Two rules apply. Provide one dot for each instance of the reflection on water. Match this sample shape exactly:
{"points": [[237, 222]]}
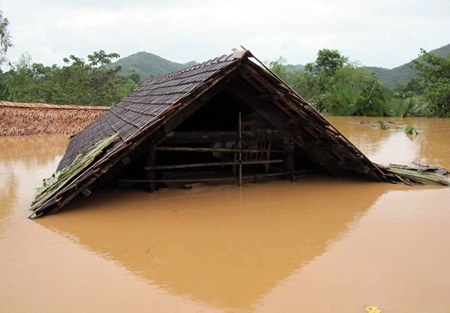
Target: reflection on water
{"points": [[395, 257], [24, 162], [317, 245], [219, 245]]}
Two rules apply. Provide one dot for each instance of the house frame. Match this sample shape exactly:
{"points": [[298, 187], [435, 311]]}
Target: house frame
{"points": [[228, 119]]}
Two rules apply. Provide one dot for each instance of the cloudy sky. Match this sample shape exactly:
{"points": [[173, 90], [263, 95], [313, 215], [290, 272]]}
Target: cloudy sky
{"points": [[385, 33]]}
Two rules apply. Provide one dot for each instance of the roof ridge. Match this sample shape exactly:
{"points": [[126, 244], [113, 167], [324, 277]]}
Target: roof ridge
{"points": [[220, 59], [39, 105]]}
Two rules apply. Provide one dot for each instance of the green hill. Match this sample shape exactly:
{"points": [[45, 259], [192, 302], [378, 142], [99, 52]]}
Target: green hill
{"points": [[397, 76], [401, 75], [148, 64]]}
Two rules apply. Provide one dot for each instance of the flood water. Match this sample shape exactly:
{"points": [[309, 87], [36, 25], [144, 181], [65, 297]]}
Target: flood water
{"points": [[319, 244]]}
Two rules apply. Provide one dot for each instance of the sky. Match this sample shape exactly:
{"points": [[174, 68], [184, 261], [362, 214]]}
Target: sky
{"points": [[383, 33]]}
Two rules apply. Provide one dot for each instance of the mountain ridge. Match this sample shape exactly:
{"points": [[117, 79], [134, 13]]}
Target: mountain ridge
{"points": [[402, 74], [147, 65]]}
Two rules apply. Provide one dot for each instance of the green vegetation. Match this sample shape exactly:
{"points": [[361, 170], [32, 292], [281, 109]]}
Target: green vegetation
{"points": [[96, 81], [433, 82], [335, 86], [77, 82], [410, 130], [5, 37], [397, 77], [400, 76], [382, 125]]}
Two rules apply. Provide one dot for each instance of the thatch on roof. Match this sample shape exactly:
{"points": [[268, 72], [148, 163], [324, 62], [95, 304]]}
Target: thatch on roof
{"points": [[229, 117], [21, 119]]}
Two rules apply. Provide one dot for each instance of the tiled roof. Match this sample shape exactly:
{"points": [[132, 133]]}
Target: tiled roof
{"points": [[145, 106]]}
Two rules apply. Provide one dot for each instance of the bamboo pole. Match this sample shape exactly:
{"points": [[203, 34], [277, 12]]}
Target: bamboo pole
{"points": [[203, 149], [240, 148], [149, 168], [210, 164], [212, 179]]}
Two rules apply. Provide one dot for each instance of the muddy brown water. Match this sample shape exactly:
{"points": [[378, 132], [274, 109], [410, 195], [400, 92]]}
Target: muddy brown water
{"points": [[320, 244]]}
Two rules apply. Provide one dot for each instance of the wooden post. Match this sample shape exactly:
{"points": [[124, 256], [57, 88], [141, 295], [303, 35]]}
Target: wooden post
{"points": [[289, 158], [150, 172], [240, 147]]}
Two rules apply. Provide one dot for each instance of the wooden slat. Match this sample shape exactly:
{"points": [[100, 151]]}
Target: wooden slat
{"points": [[211, 164], [212, 179], [221, 150], [188, 137]]}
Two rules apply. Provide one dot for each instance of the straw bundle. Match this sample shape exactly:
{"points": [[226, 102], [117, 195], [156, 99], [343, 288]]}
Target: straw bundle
{"points": [[54, 183], [22, 119]]}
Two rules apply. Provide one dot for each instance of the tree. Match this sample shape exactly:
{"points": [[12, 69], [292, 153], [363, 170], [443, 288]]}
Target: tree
{"points": [[327, 62], [280, 68], [27, 82], [353, 91], [5, 37], [321, 75], [434, 82], [336, 86], [78, 82], [298, 79]]}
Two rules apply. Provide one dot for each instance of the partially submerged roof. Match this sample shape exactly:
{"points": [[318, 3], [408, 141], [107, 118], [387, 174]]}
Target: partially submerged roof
{"points": [[19, 119], [149, 116]]}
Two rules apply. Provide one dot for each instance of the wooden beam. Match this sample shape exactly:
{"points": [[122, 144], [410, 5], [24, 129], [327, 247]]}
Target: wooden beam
{"points": [[200, 98], [288, 155], [221, 150], [212, 179], [240, 148], [211, 164], [150, 172], [188, 137], [261, 106]]}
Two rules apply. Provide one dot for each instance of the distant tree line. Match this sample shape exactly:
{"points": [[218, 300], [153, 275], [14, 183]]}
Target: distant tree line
{"points": [[78, 81], [335, 86]]}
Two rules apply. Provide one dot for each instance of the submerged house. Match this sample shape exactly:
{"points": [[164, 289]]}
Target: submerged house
{"points": [[23, 119], [229, 118]]}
